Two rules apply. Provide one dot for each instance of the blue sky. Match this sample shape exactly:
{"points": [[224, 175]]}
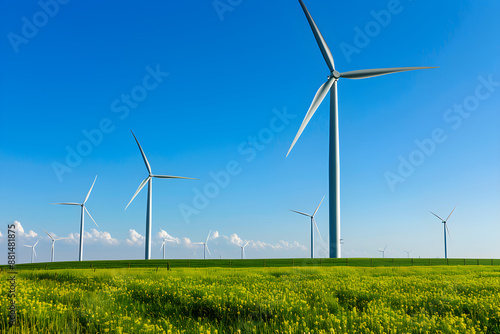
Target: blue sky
{"points": [[227, 84]]}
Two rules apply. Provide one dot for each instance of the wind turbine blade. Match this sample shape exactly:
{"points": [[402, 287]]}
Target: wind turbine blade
{"points": [[385, 248], [302, 213], [246, 245], [67, 203], [143, 155], [143, 183], [162, 245], [27, 246], [437, 216], [450, 213], [208, 236], [208, 250], [317, 229], [362, 74], [34, 251], [198, 243], [61, 238], [86, 198], [325, 50], [90, 216], [172, 177], [318, 98], [49, 235], [35, 243], [447, 230], [318, 206]]}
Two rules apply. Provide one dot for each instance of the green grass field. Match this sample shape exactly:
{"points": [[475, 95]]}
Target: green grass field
{"points": [[312, 299], [354, 262]]}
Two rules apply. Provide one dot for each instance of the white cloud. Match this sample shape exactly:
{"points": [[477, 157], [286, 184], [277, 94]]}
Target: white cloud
{"points": [[164, 235], [104, 237], [234, 239], [280, 245], [134, 238], [1, 235], [20, 231], [187, 242], [215, 235], [94, 236]]}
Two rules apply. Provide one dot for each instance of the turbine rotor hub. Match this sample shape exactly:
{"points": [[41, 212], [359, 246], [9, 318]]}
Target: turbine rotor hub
{"points": [[334, 74]]}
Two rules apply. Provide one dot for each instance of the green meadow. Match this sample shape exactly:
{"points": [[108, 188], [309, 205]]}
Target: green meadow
{"points": [[248, 296]]}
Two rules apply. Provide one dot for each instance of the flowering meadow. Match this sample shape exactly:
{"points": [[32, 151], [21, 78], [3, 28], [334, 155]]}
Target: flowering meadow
{"points": [[440, 299]]}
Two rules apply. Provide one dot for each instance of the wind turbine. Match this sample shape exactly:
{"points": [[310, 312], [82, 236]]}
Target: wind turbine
{"points": [[33, 253], [243, 250], [408, 252], [163, 246], [383, 251], [84, 209], [334, 160], [313, 224], [445, 229], [149, 181], [205, 245], [53, 242]]}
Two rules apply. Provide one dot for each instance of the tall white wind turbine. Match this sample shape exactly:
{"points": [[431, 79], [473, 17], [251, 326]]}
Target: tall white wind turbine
{"points": [[243, 249], [84, 209], [383, 251], [33, 253], [334, 161], [313, 224], [53, 242], [205, 245], [408, 252], [163, 246], [149, 181], [445, 229]]}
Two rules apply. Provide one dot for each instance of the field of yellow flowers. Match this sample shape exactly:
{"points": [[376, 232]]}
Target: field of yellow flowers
{"points": [[256, 300]]}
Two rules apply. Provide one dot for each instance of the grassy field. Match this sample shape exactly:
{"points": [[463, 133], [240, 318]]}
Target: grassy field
{"points": [[329, 299], [354, 262]]}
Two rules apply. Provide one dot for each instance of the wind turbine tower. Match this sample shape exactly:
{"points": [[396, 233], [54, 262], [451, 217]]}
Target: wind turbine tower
{"points": [[52, 248], [445, 229], [33, 253], [334, 160], [313, 224], [149, 181], [82, 222]]}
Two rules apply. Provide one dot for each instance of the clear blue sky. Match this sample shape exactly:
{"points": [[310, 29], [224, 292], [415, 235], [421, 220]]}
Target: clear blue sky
{"points": [[231, 70]]}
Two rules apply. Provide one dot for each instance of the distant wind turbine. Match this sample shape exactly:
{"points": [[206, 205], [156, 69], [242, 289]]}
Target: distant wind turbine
{"points": [[33, 253], [383, 251], [163, 246], [84, 209], [334, 160], [243, 250], [408, 252], [445, 229], [53, 242], [149, 181], [313, 224], [205, 245]]}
